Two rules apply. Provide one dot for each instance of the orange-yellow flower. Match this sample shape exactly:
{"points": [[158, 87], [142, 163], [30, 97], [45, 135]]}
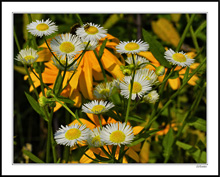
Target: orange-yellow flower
{"points": [[174, 83], [89, 68]]}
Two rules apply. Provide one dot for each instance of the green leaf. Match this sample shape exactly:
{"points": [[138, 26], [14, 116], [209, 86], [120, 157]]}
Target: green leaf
{"points": [[174, 75], [167, 144], [136, 118], [58, 161], [141, 137], [65, 99], [32, 157], [34, 104], [101, 50], [57, 83], [198, 123], [156, 48], [198, 155]]}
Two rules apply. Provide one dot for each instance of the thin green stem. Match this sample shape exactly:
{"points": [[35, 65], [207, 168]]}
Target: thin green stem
{"points": [[53, 148], [16, 41], [100, 121], [49, 137], [79, 19], [31, 81], [184, 33]]}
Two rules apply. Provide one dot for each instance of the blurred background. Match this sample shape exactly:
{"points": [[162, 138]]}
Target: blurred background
{"points": [[30, 131]]}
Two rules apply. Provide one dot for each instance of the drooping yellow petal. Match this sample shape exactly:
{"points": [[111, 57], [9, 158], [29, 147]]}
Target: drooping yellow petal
{"points": [[84, 121], [95, 119], [137, 129], [165, 30], [131, 153], [145, 151], [149, 56], [174, 83], [77, 98]]}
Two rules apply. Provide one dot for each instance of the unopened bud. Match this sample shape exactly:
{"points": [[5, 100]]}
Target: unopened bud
{"points": [[49, 93], [131, 66], [42, 101], [122, 67], [160, 70], [151, 97], [126, 72]]}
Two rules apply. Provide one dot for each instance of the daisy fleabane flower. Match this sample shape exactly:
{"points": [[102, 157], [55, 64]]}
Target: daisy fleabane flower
{"points": [[151, 97], [178, 58], [97, 107], [139, 61], [71, 135], [66, 44], [132, 47], [140, 86], [94, 139], [149, 75], [117, 134], [42, 28], [64, 62], [27, 56], [103, 90], [91, 31]]}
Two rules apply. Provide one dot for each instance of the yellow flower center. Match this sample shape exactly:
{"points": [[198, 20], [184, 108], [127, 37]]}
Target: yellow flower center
{"points": [[137, 87], [67, 47], [27, 58], [96, 140], [149, 96], [131, 46], [91, 30], [98, 108], [72, 134], [42, 27], [179, 57], [117, 136], [104, 91]]}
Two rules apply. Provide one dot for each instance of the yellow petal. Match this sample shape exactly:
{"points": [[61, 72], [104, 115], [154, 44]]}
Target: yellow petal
{"points": [[148, 55], [174, 83], [131, 153], [76, 97], [95, 119], [144, 154], [137, 129], [166, 31], [85, 122], [85, 159]]}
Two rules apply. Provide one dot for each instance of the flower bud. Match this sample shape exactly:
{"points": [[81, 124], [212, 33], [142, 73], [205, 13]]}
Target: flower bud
{"points": [[160, 70], [122, 67], [42, 101], [49, 93], [131, 66], [126, 72]]}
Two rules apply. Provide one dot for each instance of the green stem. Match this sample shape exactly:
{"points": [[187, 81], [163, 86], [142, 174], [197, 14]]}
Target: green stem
{"points": [[31, 81], [49, 137], [184, 33], [100, 121], [130, 93], [16, 41], [53, 148], [79, 19]]}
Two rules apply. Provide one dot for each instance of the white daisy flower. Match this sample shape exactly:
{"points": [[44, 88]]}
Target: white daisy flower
{"points": [[150, 75], [103, 90], [96, 107], [40, 28], [64, 62], [151, 97], [92, 44], [27, 56], [117, 134], [66, 44], [91, 31], [94, 139], [140, 86], [132, 47], [70, 135], [138, 60], [180, 58]]}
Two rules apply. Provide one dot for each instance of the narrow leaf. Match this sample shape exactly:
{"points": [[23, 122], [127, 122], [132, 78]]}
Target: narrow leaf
{"points": [[101, 50], [198, 123], [100, 157], [167, 144], [32, 157], [156, 48], [186, 75], [66, 100], [136, 118], [34, 104]]}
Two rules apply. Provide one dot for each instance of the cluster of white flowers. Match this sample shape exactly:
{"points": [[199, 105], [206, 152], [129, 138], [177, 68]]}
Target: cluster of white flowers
{"points": [[112, 134]]}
